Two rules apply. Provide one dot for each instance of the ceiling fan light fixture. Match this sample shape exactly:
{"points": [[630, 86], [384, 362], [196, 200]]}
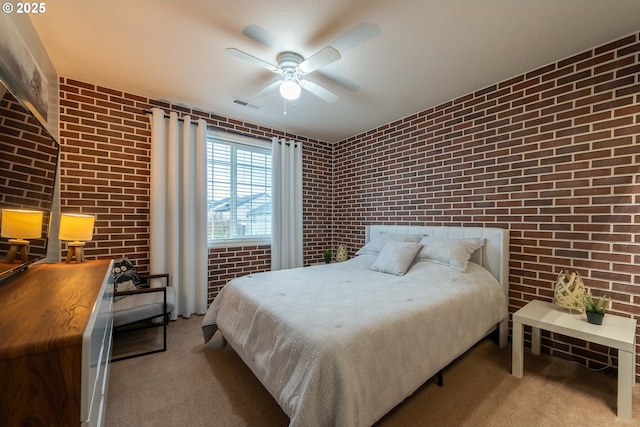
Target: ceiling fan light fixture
{"points": [[290, 89]]}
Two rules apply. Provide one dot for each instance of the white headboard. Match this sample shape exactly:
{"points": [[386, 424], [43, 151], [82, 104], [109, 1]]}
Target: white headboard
{"points": [[495, 253]]}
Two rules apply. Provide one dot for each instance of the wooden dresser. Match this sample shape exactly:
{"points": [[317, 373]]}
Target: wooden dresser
{"points": [[55, 344]]}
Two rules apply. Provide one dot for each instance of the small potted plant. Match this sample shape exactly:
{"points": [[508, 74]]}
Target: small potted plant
{"points": [[595, 309], [327, 256]]}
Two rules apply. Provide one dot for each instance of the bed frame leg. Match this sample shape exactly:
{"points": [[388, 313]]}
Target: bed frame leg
{"points": [[439, 379], [503, 332]]}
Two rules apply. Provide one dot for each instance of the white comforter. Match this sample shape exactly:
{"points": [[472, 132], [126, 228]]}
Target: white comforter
{"points": [[341, 345]]}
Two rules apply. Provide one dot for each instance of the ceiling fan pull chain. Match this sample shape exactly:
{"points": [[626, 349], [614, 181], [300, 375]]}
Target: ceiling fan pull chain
{"points": [[285, 106]]}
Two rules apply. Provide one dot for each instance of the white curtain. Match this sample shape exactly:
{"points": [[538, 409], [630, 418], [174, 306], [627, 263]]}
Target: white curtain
{"points": [[286, 200], [178, 237]]}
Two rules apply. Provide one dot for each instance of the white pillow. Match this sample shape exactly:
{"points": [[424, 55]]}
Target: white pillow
{"points": [[396, 257], [375, 245], [452, 252]]}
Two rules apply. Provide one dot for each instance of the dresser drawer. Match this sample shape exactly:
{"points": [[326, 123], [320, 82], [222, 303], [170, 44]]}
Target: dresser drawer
{"points": [[96, 352]]}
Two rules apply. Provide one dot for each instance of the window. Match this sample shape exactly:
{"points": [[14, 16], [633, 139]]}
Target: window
{"points": [[238, 189]]}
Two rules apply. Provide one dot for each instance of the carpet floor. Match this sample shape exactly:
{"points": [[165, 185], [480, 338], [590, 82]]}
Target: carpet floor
{"points": [[197, 384]]}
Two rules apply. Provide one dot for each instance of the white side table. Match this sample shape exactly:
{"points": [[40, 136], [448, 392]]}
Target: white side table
{"points": [[616, 332]]}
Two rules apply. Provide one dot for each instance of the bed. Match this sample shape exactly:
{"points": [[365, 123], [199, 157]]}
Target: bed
{"points": [[342, 344]]}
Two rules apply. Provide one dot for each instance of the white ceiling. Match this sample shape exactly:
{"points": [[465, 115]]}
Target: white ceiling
{"points": [[398, 57]]}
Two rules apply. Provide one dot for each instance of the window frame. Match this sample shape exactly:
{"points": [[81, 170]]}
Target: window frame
{"points": [[240, 141]]}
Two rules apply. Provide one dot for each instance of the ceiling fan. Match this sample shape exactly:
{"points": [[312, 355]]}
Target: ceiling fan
{"points": [[292, 67]]}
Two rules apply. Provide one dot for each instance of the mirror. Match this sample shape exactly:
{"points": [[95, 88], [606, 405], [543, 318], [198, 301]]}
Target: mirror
{"points": [[27, 174]]}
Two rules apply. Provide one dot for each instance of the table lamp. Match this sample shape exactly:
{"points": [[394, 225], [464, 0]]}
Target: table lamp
{"points": [[18, 225], [77, 229]]}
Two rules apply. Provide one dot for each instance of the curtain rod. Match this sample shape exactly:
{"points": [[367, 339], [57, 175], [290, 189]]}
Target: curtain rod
{"points": [[209, 125]]}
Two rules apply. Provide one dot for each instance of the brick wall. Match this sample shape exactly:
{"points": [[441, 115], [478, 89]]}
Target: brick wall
{"points": [[104, 171], [553, 155]]}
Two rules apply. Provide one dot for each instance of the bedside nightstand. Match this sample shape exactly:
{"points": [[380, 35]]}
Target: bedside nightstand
{"points": [[616, 332]]}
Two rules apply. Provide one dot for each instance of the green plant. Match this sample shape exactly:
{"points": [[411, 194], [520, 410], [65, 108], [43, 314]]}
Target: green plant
{"points": [[327, 254], [593, 306]]}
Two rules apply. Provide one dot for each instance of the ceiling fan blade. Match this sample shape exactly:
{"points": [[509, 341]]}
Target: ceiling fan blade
{"points": [[260, 35], [271, 86], [339, 80], [355, 36], [321, 58], [322, 93], [250, 58]]}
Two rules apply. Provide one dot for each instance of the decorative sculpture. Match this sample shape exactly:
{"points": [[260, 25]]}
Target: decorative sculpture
{"points": [[342, 255], [568, 294]]}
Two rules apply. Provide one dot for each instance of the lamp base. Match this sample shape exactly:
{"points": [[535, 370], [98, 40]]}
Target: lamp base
{"points": [[18, 246], [75, 250]]}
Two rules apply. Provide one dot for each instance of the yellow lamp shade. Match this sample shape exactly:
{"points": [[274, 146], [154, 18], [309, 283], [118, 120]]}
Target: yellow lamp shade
{"points": [[76, 227], [21, 224]]}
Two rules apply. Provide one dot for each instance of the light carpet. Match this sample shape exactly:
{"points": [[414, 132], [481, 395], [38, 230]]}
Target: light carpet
{"points": [[196, 384]]}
